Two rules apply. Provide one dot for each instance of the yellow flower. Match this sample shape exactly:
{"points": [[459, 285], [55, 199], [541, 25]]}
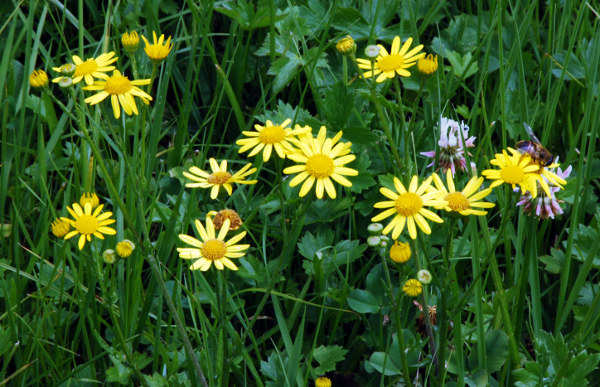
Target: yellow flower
{"points": [[464, 201], [38, 79], [517, 169], [544, 175], [121, 91], [130, 41], [60, 228], [396, 62], [212, 248], [125, 248], [157, 51], [346, 46], [90, 69], [321, 159], [428, 65], [408, 207], [219, 177], [87, 223], [220, 217], [91, 198], [400, 252], [412, 287], [270, 136], [323, 381]]}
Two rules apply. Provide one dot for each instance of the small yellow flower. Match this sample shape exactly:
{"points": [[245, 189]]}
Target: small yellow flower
{"points": [[428, 65], [89, 69], [517, 169], [212, 248], [130, 41], [91, 198], [412, 287], [545, 175], [320, 159], [219, 177], [87, 223], [60, 228], [125, 248], [346, 46], [121, 91], [395, 63], [400, 252], [323, 381], [408, 207], [466, 201], [220, 217], [38, 79], [157, 52], [270, 137]]}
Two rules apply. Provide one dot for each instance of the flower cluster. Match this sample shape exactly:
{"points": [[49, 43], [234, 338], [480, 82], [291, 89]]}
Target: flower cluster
{"points": [[453, 139]]}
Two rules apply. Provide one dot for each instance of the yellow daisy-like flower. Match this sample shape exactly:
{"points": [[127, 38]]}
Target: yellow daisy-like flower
{"points": [[125, 248], [121, 91], [219, 177], [38, 79], [87, 223], [396, 62], [408, 207], [321, 159], [270, 136], [212, 248], [412, 287], [88, 197], [464, 201], [323, 381], [60, 228], [90, 69], [157, 51], [545, 176], [400, 252], [517, 169], [130, 41], [428, 65]]}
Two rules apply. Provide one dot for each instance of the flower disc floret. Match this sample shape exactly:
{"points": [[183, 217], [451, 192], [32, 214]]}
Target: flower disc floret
{"points": [[321, 160], [212, 248], [388, 65], [88, 223], [219, 177]]}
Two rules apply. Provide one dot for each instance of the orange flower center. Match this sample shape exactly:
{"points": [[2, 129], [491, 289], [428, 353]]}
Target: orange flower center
{"points": [[408, 204], [457, 201], [320, 166], [214, 249], [219, 177]]}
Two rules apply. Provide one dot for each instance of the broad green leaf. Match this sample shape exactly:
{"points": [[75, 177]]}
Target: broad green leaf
{"points": [[328, 357], [363, 301]]}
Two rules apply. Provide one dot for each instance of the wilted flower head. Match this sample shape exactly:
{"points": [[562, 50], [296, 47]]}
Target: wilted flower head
{"points": [[452, 153]]}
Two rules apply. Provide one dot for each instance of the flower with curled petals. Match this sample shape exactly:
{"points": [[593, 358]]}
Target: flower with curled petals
{"points": [[219, 177], [408, 207], [388, 65], [320, 159], [212, 248], [87, 223]]}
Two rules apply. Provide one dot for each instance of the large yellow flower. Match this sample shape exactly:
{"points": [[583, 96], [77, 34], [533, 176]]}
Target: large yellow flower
{"points": [[212, 248], [219, 177], [321, 159], [464, 201], [408, 207], [121, 91], [270, 136], [517, 169], [396, 62], [157, 51], [87, 223], [90, 69]]}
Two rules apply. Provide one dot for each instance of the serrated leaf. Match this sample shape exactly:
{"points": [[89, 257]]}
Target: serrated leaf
{"points": [[328, 357], [363, 301], [461, 63]]}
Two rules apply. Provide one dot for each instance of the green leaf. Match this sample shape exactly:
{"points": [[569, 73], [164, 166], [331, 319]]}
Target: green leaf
{"points": [[528, 376], [383, 364], [328, 357], [363, 301], [463, 66], [496, 347], [119, 373]]}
